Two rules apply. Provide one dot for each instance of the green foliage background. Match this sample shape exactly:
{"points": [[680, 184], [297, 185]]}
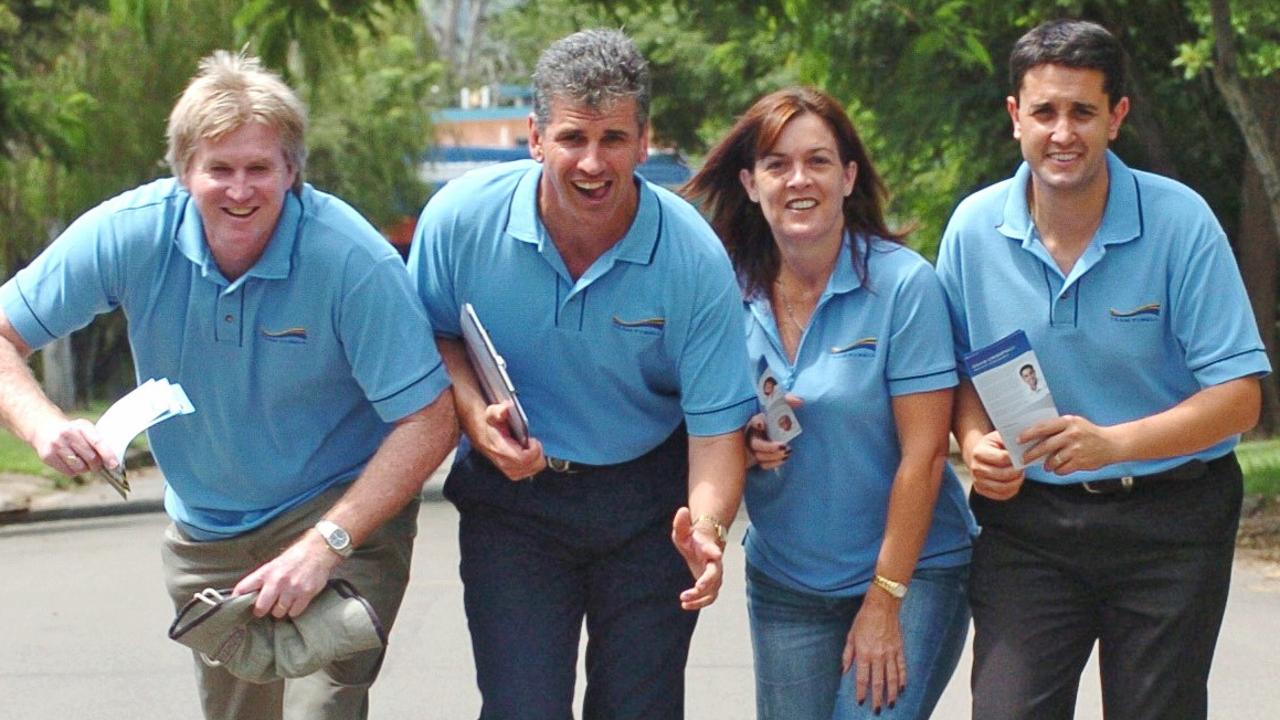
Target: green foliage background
{"points": [[85, 88]]}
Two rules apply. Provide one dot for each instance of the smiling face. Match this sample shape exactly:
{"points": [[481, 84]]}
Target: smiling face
{"points": [[239, 183], [801, 184], [1028, 374], [1062, 119], [589, 157]]}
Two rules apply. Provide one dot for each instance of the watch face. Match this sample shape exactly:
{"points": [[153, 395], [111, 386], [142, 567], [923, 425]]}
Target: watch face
{"points": [[339, 538]]}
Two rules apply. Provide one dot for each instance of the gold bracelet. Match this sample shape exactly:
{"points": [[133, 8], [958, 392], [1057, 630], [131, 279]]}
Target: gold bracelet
{"points": [[896, 589], [721, 531]]}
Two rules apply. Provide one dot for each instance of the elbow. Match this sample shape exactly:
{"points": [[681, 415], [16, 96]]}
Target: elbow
{"points": [[1249, 405]]}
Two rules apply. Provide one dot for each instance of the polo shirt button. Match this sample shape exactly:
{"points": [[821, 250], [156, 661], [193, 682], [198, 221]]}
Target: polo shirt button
{"points": [[228, 318]]}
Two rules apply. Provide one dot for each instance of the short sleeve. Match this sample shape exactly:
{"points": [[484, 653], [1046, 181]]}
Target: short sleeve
{"points": [[431, 269], [949, 279], [920, 355], [1211, 315], [388, 341], [74, 279], [716, 391]]}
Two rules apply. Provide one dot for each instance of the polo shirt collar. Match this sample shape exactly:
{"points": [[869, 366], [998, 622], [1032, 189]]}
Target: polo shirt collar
{"points": [[843, 278], [1121, 219], [637, 246], [276, 260]]}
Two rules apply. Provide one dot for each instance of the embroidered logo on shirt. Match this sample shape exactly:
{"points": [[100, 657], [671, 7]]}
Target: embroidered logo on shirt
{"points": [[867, 343], [1143, 313], [288, 335], [653, 324]]}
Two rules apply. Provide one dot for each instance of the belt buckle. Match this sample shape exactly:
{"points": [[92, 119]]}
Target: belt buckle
{"points": [[1126, 486], [560, 465]]}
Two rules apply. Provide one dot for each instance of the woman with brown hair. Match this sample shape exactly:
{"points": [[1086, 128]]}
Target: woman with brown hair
{"points": [[856, 564]]}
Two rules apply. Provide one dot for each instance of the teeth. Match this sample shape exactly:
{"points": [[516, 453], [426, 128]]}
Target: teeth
{"points": [[1063, 156], [801, 204], [589, 186], [240, 211]]}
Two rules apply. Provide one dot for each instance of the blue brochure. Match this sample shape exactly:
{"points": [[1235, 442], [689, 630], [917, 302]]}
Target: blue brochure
{"points": [[1013, 389]]}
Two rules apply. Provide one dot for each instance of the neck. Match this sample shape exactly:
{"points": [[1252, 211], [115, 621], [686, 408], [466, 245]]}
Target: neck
{"points": [[1068, 217], [580, 242], [808, 267]]}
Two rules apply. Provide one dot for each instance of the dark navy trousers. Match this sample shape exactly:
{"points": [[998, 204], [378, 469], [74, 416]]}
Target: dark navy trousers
{"points": [[540, 555], [1144, 574]]}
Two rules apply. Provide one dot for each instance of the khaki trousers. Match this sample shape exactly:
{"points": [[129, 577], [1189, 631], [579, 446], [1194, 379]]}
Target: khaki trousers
{"points": [[379, 569]]}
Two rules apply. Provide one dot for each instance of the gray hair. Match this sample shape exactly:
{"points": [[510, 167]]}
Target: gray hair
{"points": [[595, 68], [231, 90]]}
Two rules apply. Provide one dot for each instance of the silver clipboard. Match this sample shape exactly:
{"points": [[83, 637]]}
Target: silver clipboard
{"points": [[491, 370]]}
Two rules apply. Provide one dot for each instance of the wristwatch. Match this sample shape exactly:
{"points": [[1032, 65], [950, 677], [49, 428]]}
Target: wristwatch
{"points": [[720, 530], [893, 587], [338, 539]]}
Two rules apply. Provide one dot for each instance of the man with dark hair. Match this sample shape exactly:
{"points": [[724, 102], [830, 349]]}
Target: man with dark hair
{"points": [[618, 315], [321, 405], [1028, 374], [1121, 528]]}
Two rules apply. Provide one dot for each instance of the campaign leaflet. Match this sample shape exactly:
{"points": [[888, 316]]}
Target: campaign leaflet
{"points": [[780, 423], [151, 402], [1013, 389]]}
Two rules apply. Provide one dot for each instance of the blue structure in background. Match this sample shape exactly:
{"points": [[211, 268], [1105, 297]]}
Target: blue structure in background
{"points": [[444, 163]]}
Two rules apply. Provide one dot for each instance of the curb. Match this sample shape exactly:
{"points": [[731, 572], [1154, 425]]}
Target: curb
{"points": [[80, 512], [430, 494]]}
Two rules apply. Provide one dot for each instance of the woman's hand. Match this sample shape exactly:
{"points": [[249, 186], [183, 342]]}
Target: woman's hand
{"points": [[874, 645]]}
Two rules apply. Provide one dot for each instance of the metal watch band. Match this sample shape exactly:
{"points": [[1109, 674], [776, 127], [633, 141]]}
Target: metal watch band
{"points": [[335, 537], [893, 587]]}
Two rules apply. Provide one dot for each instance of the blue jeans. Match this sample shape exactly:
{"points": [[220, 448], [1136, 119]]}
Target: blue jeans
{"points": [[797, 639]]}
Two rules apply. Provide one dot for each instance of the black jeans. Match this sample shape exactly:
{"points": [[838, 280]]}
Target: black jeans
{"points": [[540, 555], [1145, 574]]}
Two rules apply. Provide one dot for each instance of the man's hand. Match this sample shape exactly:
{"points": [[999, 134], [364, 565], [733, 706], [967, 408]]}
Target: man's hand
{"points": [[72, 447], [874, 643], [504, 451], [287, 584], [701, 549], [992, 469], [1070, 443]]}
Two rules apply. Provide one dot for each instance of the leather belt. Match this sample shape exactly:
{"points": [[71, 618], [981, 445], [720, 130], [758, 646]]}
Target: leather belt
{"points": [[1190, 470], [569, 467]]}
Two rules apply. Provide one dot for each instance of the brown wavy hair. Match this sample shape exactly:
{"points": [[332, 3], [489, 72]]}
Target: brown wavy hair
{"points": [[740, 223]]}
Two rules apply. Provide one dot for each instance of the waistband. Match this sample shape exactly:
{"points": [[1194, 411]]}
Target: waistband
{"points": [[675, 442], [1129, 484]]}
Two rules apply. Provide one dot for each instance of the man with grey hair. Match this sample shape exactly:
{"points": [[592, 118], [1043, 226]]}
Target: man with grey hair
{"points": [[617, 313], [278, 309]]}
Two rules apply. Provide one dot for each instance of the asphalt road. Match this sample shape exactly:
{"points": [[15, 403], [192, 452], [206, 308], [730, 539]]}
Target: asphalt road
{"points": [[83, 617]]}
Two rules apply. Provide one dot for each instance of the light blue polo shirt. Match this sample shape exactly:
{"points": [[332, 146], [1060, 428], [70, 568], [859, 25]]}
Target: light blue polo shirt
{"points": [[818, 521], [295, 369], [1153, 311], [609, 365]]}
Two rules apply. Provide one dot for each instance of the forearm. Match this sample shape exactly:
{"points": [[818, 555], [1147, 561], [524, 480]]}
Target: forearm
{"points": [[717, 471], [23, 404], [395, 474], [1202, 420], [468, 398], [911, 501], [922, 435], [969, 419]]}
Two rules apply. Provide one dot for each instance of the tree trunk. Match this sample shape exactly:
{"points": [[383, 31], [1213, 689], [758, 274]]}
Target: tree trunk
{"points": [[58, 363], [1257, 248], [1234, 91]]}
